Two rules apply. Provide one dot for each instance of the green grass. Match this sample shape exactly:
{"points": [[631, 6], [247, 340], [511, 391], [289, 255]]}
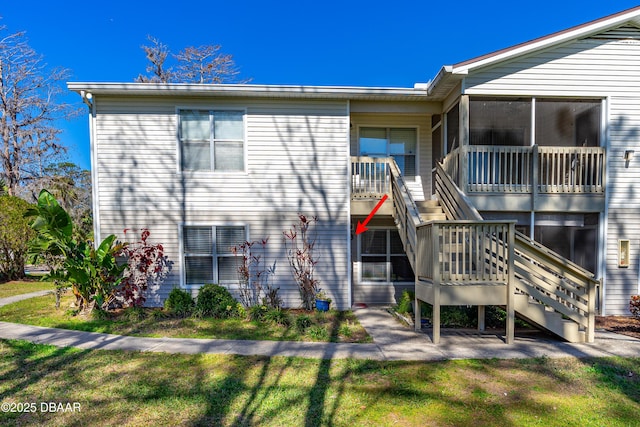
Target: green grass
{"points": [[9, 289], [41, 311], [149, 389]]}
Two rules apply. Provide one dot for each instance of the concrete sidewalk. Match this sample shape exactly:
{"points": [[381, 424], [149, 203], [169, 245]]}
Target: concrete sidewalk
{"points": [[392, 341]]}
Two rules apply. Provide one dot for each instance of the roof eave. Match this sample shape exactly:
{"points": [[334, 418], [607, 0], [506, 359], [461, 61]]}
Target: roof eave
{"points": [[249, 91]]}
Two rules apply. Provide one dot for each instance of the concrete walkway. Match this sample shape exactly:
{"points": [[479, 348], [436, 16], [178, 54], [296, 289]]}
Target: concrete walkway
{"points": [[392, 341]]}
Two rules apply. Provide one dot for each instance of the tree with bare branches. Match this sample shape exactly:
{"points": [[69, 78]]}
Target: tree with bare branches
{"points": [[157, 53], [29, 108], [202, 64]]}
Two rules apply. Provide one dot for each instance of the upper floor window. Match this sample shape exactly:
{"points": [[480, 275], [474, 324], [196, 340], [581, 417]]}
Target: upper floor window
{"points": [[212, 140], [557, 122], [399, 143]]}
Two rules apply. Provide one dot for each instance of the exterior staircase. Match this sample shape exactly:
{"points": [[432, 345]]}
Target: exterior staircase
{"points": [[544, 317], [461, 259], [431, 210]]}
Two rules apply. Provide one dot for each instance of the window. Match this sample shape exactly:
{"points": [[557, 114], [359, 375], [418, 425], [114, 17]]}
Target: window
{"points": [[399, 143], [382, 257], [568, 123], [500, 122], [212, 140], [207, 253]]}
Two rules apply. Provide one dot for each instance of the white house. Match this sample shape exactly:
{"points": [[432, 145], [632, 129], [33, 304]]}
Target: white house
{"points": [[540, 135]]}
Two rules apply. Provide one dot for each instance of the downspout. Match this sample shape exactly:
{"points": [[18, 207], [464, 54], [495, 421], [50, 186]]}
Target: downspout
{"points": [[87, 99], [603, 234], [349, 253]]}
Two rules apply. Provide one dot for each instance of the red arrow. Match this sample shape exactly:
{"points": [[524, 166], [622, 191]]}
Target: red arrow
{"points": [[361, 228]]}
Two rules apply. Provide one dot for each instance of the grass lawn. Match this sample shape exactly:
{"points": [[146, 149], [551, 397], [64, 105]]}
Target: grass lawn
{"points": [[151, 389], [17, 287], [330, 326]]}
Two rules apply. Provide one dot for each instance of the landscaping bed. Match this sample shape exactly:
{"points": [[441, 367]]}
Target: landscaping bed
{"points": [[331, 326], [619, 324]]}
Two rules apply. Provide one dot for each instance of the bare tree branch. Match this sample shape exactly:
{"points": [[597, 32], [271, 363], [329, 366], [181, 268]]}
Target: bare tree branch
{"points": [[157, 54], [28, 109], [203, 64]]}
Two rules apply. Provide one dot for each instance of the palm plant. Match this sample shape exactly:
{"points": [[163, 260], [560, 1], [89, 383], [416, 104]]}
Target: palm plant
{"points": [[93, 273]]}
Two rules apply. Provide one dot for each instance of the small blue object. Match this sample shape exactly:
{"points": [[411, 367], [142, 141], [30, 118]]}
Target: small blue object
{"points": [[322, 305]]}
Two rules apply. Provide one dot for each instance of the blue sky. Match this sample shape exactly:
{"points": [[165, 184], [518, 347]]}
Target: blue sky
{"points": [[327, 42]]}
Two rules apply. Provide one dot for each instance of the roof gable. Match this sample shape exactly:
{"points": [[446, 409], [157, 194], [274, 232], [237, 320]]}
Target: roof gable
{"points": [[617, 25]]}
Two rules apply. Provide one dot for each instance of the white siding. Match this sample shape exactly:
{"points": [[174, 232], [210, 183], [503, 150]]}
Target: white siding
{"points": [[607, 67], [296, 162], [420, 187]]}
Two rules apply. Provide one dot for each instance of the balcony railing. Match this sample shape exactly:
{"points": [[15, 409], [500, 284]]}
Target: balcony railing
{"points": [[544, 170], [369, 177]]}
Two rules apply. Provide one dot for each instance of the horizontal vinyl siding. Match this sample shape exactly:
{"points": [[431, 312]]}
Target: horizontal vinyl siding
{"points": [[622, 282], [595, 67], [296, 161], [589, 66]]}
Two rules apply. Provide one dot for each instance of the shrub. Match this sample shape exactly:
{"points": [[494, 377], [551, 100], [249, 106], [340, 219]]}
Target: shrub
{"points": [[345, 330], [179, 302], [15, 234], [93, 272], [135, 314], [299, 244], [257, 312], [634, 306], [404, 305], [254, 275], [303, 322], [216, 301], [318, 333], [278, 316], [146, 265], [99, 314]]}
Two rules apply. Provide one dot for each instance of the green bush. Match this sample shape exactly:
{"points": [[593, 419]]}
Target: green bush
{"points": [[278, 316], [318, 333], [179, 302], [303, 322], [15, 234], [404, 305], [345, 330], [257, 312], [135, 314], [216, 301]]}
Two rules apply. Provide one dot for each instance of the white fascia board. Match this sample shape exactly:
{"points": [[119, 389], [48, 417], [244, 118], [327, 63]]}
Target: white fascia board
{"points": [[244, 90]]}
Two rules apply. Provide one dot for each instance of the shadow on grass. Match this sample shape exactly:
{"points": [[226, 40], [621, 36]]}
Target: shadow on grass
{"points": [[120, 388]]}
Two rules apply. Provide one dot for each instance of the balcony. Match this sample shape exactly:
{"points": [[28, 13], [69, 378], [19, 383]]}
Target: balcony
{"points": [[370, 180], [560, 179]]}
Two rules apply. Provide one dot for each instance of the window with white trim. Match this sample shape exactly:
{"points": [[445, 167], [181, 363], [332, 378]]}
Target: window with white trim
{"points": [[399, 143], [208, 255], [382, 257], [212, 140]]}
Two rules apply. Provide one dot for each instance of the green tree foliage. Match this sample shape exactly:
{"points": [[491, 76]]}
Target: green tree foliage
{"points": [[15, 235], [71, 186], [93, 273]]}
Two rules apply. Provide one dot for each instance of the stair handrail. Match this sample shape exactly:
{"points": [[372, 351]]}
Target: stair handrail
{"points": [[406, 213], [553, 280], [455, 203], [542, 273]]}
